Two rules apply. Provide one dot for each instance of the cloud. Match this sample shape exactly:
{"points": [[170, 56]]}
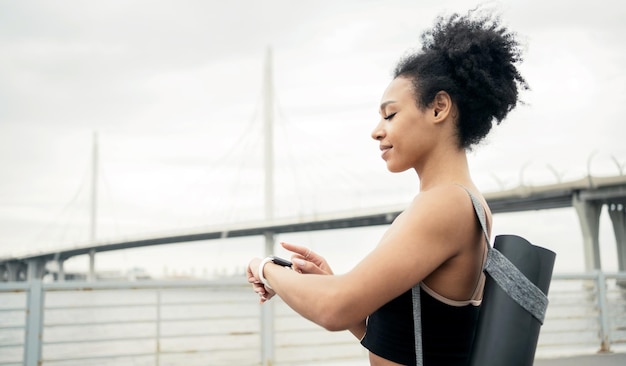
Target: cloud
{"points": [[174, 90]]}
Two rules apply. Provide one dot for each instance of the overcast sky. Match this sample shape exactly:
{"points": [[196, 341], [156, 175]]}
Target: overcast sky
{"points": [[174, 91]]}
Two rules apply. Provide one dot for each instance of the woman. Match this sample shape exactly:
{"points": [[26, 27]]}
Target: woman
{"points": [[441, 102]]}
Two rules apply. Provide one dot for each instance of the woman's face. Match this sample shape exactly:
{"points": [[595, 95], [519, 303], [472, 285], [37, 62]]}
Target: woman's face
{"points": [[403, 132]]}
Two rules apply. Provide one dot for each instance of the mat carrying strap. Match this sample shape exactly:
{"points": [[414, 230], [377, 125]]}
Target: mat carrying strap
{"points": [[503, 272]]}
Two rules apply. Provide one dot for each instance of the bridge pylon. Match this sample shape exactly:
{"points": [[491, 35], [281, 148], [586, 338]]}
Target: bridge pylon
{"points": [[13, 271], [617, 212], [588, 204], [589, 216], [22, 270]]}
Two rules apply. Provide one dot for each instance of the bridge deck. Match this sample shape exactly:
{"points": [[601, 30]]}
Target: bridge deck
{"points": [[602, 189]]}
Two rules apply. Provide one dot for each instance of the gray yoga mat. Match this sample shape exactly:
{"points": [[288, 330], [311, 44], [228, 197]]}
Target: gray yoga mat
{"points": [[506, 333]]}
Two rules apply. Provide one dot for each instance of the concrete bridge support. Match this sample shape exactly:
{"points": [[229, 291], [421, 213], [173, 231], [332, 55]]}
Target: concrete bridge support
{"points": [[36, 269], [589, 211], [61, 270], [589, 217], [14, 271], [617, 212], [22, 270], [91, 276]]}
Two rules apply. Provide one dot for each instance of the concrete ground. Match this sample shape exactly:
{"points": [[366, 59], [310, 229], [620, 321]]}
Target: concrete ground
{"points": [[600, 359]]}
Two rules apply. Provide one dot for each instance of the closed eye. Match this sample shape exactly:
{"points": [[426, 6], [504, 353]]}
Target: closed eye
{"points": [[389, 117]]}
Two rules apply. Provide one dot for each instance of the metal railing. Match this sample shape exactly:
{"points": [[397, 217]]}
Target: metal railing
{"points": [[587, 313], [219, 323]]}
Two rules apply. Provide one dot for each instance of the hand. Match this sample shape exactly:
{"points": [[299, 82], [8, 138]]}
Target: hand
{"points": [[258, 286], [307, 262]]}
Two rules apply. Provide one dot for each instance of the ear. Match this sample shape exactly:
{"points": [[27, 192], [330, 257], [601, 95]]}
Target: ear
{"points": [[441, 106]]}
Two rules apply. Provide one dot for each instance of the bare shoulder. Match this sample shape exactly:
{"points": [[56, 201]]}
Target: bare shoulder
{"points": [[445, 202], [426, 236], [445, 212]]}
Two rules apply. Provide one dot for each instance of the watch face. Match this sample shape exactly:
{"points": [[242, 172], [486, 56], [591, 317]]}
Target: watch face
{"points": [[280, 261]]}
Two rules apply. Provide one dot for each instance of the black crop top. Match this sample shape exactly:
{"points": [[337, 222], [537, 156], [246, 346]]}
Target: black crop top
{"points": [[447, 331]]}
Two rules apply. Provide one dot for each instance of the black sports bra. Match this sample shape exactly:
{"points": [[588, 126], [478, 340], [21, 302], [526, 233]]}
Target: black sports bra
{"points": [[447, 331], [447, 327]]}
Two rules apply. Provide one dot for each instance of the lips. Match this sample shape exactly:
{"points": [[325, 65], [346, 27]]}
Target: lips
{"points": [[384, 149]]}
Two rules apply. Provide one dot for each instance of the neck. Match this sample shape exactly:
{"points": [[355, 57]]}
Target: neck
{"points": [[447, 166]]}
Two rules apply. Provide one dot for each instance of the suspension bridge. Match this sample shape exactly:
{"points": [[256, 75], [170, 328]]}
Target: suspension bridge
{"points": [[587, 196]]}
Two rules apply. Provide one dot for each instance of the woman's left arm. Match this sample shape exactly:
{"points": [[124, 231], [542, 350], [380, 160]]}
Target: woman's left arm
{"points": [[420, 240]]}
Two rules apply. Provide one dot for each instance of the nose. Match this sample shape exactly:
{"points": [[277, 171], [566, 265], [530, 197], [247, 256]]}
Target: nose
{"points": [[378, 133]]}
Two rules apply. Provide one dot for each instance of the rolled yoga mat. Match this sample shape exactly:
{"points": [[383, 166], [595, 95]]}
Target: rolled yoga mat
{"points": [[507, 334]]}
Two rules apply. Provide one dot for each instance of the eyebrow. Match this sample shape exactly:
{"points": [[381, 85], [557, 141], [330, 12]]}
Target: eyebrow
{"points": [[385, 104]]}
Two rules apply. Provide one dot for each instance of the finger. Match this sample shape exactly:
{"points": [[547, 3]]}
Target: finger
{"points": [[301, 252], [299, 249], [309, 257], [252, 279], [307, 267], [253, 266], [265, 299]]}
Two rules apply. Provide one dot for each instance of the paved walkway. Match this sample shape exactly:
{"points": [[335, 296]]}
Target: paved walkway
{"points": [[601, 359]]}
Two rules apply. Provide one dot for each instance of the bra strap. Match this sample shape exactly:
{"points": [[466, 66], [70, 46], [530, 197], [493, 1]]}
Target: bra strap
{"points": [[508, 277], [504, 273], [417, 325]]}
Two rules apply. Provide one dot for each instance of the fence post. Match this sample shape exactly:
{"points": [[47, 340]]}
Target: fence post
{"points": [[34, 323], [605, 330], [267, 316], [158, 327]]}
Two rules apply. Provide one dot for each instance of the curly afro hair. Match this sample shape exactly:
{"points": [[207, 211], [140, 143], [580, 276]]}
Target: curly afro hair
{"points": [[473, 59]]}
